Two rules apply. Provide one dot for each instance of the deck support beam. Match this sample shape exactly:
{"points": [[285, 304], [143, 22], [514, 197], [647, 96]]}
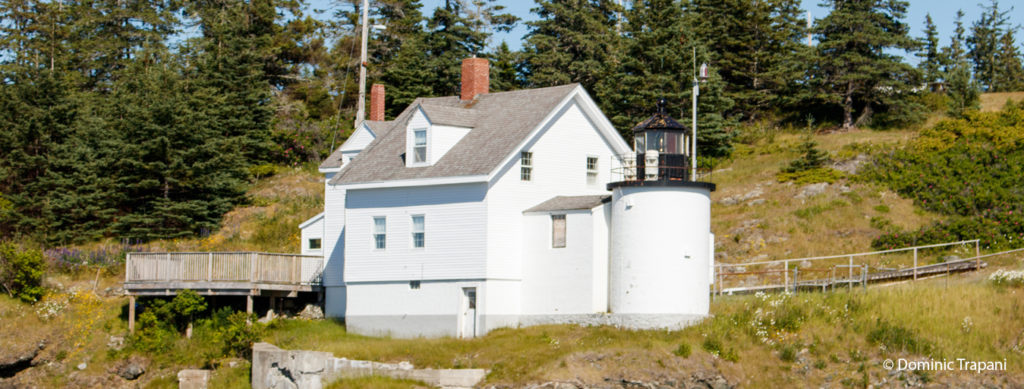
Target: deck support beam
{"points": [[131, 314]]}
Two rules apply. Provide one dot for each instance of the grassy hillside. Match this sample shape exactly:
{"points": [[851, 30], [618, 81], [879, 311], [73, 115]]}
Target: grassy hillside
{"points": [[804, 340]]}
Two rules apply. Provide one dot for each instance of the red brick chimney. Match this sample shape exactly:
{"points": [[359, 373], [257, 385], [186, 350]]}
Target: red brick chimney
{"points": [[476, 77], [377, 102]]}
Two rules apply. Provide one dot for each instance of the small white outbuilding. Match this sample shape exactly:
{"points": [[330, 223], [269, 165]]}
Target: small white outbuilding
{"points": [[486, 210]]}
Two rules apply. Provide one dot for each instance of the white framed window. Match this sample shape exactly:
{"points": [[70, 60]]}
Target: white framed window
{"points": [[526, 166], [419, 146], [557, 231], [418, 231], [380, 232], [591, 170], [315, 244]]}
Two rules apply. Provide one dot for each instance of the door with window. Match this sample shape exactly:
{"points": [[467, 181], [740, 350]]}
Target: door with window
{"points": [[468, 318]]}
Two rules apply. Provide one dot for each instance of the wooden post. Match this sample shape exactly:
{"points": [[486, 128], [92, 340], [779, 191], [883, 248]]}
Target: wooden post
{"points": [[977, 255], [796, 278], [252, 267], [131, 313], [127, 267], [785, 276], [915, 263], [209, 268]]}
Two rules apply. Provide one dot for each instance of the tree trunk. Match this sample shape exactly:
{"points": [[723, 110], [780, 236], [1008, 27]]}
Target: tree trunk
{"points": [[848, 108]]}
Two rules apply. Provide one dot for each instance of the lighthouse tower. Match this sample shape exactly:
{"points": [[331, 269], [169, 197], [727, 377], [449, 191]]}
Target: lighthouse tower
{"points": [[661, 245]]}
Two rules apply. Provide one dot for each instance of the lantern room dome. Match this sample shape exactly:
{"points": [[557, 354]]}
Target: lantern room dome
{"points": [[660, 121]]}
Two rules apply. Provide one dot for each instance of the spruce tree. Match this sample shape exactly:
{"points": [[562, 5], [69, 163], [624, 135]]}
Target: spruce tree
{"points": [[931, 57], [963, 91], [505, 65], [1009, 76], [810, 156], [753, 44], [572, 41], [855, 68], [983, 44], [451, 37]]}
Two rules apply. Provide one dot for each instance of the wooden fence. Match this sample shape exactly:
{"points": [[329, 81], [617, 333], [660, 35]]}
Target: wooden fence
{"points": [[224, 267]]}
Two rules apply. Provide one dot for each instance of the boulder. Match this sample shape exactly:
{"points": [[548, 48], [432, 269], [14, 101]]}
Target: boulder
{"points": [[312, 312]]}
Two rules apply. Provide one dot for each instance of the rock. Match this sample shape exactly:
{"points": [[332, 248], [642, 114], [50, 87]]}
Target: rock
{"points": [[9, 366], [755, 202], [949, 258], [843, 189], [267, 319], [312, 312], [193, 379], [81, 366], [131, 370], [115, 342], [729, 201], [812, 190], [757, 192], [851, 166]]}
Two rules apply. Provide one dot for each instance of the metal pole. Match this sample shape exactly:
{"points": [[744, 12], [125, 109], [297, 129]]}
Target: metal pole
{"points": [[850, 271], [361, 106], [693, 136], [915, 263]]}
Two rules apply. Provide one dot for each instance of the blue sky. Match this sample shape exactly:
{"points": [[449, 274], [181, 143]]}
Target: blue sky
{"points": [[943, 12]]}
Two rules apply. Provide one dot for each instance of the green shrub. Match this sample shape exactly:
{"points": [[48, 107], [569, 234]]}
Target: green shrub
{"points": [[898, 338], [683, 350], [969, 170], [788, 353], [714, 346], [811, 176], [239, 333], [21, 272]]}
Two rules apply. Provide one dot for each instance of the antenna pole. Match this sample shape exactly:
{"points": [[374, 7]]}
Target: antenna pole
{"points": [[361, 104]]}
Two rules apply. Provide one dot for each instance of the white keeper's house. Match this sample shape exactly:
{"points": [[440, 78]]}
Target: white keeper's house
{"points": [[487, 210]]}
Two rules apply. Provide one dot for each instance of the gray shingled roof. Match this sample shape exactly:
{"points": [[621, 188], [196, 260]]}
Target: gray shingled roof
{"points": [[502, 121], [378, 128], [450, 116], [569, 203]]}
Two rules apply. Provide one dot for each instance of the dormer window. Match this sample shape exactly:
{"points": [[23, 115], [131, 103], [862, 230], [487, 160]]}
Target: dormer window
{"points": [[419, 148]]}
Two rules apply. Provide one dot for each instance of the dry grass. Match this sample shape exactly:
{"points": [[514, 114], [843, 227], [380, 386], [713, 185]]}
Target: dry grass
{"points": [[995, 101], [784, 226]]}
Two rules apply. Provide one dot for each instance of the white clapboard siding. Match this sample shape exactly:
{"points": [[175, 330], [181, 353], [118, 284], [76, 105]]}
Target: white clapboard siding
{"points": [[455, 228], [560, 154], [333, 245], [558, 280]]}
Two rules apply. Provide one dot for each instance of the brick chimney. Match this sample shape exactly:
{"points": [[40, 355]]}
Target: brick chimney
{"points": [[377, 102], [476, 77]]}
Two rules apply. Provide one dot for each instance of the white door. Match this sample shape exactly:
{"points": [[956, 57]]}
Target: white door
{"points": [[468, 329]]}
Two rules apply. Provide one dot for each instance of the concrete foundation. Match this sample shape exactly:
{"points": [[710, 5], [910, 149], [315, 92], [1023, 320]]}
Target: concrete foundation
{"points": [[273, 367]]}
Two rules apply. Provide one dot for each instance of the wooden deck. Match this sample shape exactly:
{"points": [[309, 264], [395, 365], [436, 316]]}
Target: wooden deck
{"points": [[232, 273], [246, 274]]}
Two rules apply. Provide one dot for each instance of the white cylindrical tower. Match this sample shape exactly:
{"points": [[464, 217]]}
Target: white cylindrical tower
{"points": [[660, 236]]}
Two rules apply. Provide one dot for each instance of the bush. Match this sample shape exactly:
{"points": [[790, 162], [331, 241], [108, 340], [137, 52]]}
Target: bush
{"points": [[898, 338], [683, 350], [970, 170], [811, 176], [21, 272]]}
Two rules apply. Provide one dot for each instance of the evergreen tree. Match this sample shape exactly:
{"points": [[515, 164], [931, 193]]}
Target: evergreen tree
{"points": [[1009, 74], [810, 156], [656, 65], [572, 41], [754, 47], [451, 37], [931, 57], [963, 91], [956, 51], [983, 44], [505, 65], [853, 68]]}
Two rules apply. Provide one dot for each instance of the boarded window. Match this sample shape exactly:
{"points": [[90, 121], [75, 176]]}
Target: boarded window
{"points": [[419, 148], [314, 244], [526, 166], [380, 228], [557, 231], [418, 231]]}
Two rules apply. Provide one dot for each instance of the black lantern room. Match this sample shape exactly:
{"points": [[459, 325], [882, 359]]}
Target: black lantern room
{"points": [[662, 140]]}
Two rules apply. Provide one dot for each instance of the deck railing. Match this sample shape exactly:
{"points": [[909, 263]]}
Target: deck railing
{"points": [[224, 267]]}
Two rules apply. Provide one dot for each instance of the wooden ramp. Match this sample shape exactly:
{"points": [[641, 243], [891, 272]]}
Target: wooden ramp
{"points": [[860, 276]]}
